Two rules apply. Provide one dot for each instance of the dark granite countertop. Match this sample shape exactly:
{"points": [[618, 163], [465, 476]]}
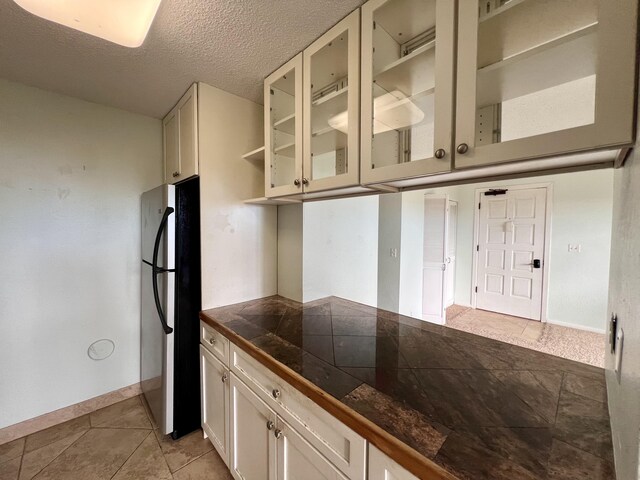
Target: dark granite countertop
{"points": [[480, 408]]}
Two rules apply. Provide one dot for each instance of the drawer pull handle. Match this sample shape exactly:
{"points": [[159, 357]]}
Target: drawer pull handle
{"points": [[225, 377], [270, 425], [276, 393], [212, 341], [277, 433]]}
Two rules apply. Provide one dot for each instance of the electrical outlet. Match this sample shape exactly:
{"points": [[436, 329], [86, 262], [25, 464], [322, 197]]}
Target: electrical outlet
{"points": [[575, 247]]}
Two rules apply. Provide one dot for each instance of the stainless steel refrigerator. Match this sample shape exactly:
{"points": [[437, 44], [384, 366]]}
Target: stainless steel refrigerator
{"points": [[171, 301]]}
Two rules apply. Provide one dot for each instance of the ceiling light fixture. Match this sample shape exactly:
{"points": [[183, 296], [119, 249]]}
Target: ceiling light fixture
{"points": [[125, 22]]}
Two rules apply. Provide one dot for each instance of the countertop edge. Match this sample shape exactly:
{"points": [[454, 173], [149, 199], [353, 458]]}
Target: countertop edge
{"points": [[400, 452]]}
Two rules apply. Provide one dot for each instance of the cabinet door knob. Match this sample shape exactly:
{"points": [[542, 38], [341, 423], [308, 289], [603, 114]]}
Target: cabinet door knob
{"points": [[462, 148], [270, 425], [176, 174], [276, 393], [305, 181], [277, 433], [440, 153], [212, 341], [225, 377], [296, 182]]}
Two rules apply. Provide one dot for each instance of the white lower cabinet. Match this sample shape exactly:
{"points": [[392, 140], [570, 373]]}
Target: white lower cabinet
{"points": [[253, 441], [297, 459], [215, 402], [382, 467]]}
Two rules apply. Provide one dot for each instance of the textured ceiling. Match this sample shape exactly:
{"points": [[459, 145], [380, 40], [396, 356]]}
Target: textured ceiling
{"points": [[230, 44]]}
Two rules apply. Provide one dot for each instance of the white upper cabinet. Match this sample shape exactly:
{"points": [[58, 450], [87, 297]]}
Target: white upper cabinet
{"points": [[283, 129], [331, 99], [538, 78], [180, 133], [407, 88]]}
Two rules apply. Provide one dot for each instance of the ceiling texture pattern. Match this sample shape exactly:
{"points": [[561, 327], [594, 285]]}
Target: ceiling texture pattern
{"points": [[230, 44]]}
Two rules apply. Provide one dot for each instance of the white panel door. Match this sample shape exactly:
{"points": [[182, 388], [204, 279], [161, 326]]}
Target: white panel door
{"points": [[215, 402], [452, 238], [434, 257], [297, 459], [253, 455], [510, 246]]}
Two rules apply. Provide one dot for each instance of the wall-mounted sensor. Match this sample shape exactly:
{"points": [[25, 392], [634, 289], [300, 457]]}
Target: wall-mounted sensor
{"points": [[101, 349]]}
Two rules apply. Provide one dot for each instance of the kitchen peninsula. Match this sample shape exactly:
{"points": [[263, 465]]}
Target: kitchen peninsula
{"points": [[455, 403]]}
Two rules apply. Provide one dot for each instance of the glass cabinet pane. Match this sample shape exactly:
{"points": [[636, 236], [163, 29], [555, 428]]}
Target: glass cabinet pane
{"points": [[332, 92], [283, 134], [283, 129], [329, 118], [536, 67], [404, 81]]}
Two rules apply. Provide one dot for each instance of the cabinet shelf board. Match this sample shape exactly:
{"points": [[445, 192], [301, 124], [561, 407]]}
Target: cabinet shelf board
{"points": [[328, 140], [270, 201], [257, 154], [287, 150], [286, 124], [500, 10], [330, 96], [411, 74], [552, 63]]}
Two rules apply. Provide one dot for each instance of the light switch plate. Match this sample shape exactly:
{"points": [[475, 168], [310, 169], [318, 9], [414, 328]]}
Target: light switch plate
{"points": [[574, 247], [619, 348]]}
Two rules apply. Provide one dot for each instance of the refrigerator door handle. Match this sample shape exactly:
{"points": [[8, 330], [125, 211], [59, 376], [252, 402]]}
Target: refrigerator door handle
{"points": [[155, 270]]}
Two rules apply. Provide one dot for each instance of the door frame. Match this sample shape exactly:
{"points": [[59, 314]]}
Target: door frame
{"points": [[446, 197], [547, 240]]}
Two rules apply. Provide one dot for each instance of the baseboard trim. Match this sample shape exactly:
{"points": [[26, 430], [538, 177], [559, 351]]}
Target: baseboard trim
{"points": [[33, 425], [577, 327]]}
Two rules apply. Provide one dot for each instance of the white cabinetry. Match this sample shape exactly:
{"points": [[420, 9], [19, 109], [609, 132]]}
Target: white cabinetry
{"points": [[382, 467], [180, 133], [253, 441], [331, 108], [407, 88], [563, 86], [215, 402]]}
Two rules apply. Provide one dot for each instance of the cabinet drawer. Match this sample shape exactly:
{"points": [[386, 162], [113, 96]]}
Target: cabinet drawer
{"points": [[337, 442], [215, 342]]}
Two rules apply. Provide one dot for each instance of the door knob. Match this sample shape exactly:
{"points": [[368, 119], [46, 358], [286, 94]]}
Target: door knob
{"points": [[176, 174], [296, 182], [277, 433], [440, 153], [305, 181], [225, 377], [535, 263], [270, 425], [212, 341], [275, 393], [462, 148]]}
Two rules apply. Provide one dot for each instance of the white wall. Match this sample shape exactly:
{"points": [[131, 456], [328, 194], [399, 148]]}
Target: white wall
{"points": [[624, 300], [239, 241], [411, 259], [70, 182], [340, 249], [290, 251], [389, 238], [581, 213]]}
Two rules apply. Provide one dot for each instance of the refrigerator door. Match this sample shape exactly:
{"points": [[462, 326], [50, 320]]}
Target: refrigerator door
{"points": [[157, 303]]}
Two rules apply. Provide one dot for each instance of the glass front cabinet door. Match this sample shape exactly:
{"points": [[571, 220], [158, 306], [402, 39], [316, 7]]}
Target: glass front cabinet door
{"points": [[539, 78], [283, 129], [408, 51], [331, 108]]}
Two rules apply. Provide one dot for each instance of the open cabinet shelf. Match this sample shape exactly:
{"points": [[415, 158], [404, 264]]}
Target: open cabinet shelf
{"points": [[411, 74], [286, 124], [558, 61], [287, 150], [271, 201], [257, 154]]}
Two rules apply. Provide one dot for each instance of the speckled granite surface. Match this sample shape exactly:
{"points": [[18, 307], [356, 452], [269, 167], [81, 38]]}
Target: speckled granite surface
{"points": [[480, 408]]}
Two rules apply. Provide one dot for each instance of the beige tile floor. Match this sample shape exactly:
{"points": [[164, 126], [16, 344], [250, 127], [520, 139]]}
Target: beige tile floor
{"points": [[571, 343], [119, 442]]}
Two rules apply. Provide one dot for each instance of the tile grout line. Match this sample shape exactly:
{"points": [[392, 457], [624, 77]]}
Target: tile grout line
{"points": [[131, 455], [54, 458], [190, 461]]}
